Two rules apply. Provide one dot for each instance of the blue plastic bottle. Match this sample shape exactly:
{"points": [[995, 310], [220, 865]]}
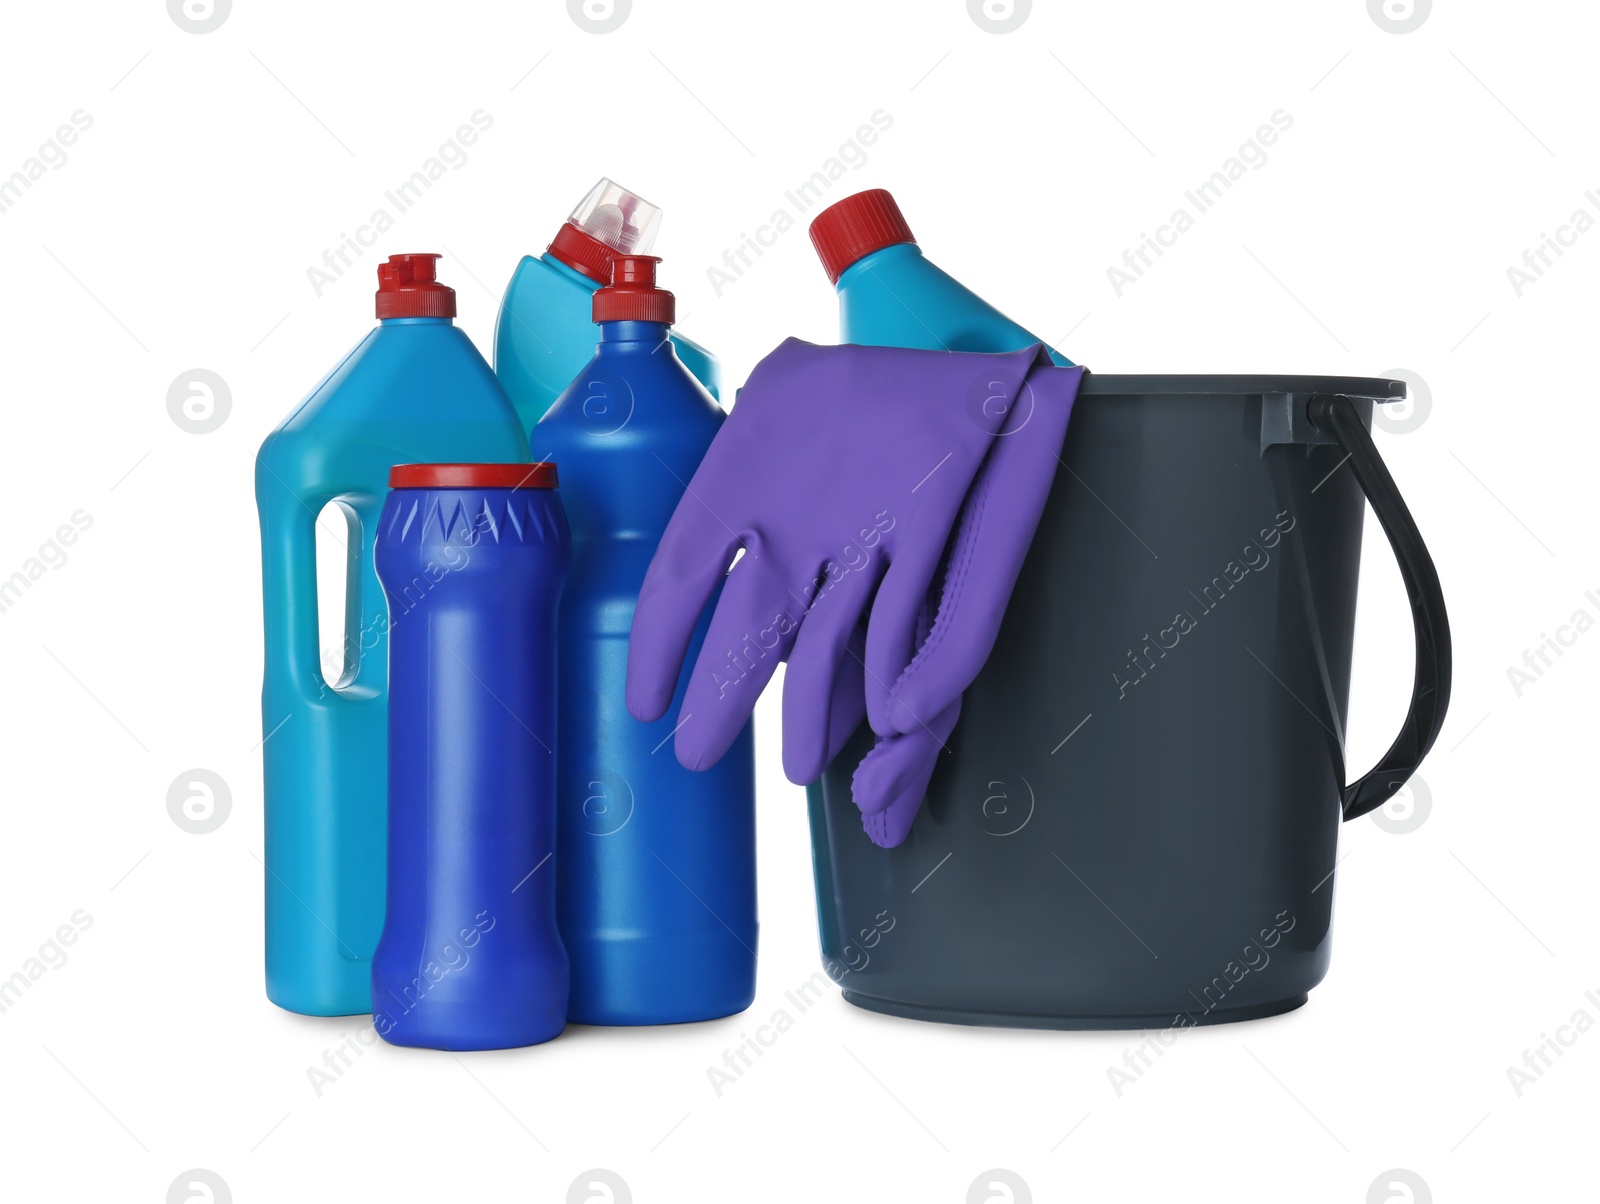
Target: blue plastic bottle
{"points": [[472, 558], [891, 296], [655, 863], [415, 389], [545, 334]]}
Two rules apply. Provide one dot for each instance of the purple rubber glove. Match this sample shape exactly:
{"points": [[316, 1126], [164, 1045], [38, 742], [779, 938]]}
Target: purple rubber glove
{"points": [[853, 478]]}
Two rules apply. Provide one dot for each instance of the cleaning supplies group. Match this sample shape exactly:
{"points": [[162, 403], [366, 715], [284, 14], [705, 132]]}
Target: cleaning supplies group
{"points": [[471, 797]]}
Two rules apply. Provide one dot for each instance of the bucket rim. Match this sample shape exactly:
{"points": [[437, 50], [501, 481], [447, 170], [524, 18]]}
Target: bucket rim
{"points": [[1110, 384]]}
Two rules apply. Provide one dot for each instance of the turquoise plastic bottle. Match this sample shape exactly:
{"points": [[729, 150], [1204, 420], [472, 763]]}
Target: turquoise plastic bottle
{"points": [[545, 334], [414, 390], [655, 864], [891, 296]]}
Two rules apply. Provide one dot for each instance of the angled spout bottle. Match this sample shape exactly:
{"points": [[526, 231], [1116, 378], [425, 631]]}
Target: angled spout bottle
{"points": [[545, 333], [891, 295], [414, 390]]}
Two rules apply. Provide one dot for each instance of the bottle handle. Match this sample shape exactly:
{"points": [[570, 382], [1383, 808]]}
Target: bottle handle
{"points": [[289, 587]]}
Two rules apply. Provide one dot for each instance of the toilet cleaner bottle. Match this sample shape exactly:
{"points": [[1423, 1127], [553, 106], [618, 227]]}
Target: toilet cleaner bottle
{"points": [[655, 863]]}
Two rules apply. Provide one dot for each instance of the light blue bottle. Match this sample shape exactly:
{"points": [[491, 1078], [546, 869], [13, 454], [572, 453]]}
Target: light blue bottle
{"points": [[414, 390], [545, 334], [891, 296]]}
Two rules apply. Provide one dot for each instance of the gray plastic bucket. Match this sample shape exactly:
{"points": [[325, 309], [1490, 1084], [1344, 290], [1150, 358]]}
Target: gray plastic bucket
{"points": [[1136, 821]]}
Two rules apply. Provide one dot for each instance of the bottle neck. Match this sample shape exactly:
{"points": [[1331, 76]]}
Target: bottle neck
{"points": [[894, 253], [651, 334], [561, 266], [416, 321]]}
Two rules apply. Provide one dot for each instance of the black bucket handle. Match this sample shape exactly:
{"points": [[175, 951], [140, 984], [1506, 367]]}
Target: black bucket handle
{"points": [[1337, 415]]}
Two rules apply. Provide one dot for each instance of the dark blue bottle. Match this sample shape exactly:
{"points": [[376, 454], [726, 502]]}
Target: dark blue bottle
{"points": [[656, 863], [472, 558]]}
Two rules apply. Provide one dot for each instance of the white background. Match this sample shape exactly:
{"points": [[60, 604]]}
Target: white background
{"points": [[177, 235]]}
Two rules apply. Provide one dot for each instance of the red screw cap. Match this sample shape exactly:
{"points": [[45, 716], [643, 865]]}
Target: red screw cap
{"points": [[856, 227], [583, 252], [540, 475], [632, 295], [407, 289]]}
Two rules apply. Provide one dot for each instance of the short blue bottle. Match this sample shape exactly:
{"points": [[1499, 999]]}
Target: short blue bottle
{"points": [[656, 863], [472, 558]]}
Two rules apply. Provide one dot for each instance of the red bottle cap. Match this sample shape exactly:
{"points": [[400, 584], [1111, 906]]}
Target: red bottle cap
{"points": [[407, 289], [632, 295], [856, 227], [540, 475], [582, 252]]}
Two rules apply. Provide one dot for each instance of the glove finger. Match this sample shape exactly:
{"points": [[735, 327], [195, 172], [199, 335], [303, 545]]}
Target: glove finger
{"points": [[992, 537], [849, 706], [889, 828], [893, 778], [900, 763], [751, 632], [690, 562], [892, 624], [822, 699]]}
